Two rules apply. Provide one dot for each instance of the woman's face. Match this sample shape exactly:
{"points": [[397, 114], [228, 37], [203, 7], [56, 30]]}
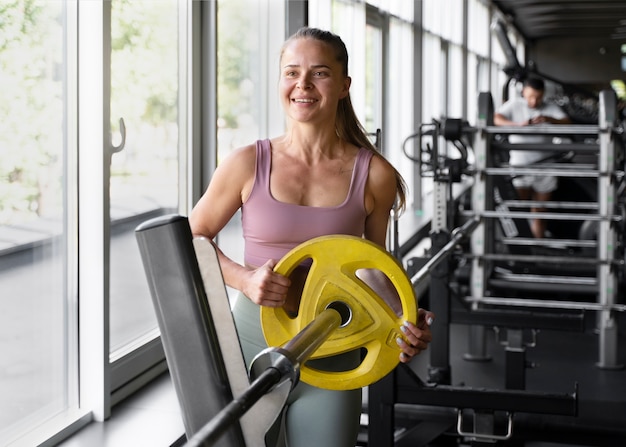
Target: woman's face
{"points": [[311, 81]]}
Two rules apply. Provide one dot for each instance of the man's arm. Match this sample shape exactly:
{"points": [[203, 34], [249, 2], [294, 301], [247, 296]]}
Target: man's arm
{"points": [[550, 120], [501, 120]]}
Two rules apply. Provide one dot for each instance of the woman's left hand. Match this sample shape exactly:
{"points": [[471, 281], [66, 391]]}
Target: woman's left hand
{"points": [[418, 336]]}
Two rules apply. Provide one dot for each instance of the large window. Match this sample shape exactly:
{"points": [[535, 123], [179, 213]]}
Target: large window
{"points": [[144, 168], [247, 79], [374, 44], [400, 105], [42, 254], [37, 282]]}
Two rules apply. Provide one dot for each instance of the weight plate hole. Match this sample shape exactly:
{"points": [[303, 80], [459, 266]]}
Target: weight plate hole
{"points": [[344, 311]]}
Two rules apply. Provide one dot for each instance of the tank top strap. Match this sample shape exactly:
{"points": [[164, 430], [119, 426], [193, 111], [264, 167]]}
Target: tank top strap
{"points": [[263, 164], [359, 176]]}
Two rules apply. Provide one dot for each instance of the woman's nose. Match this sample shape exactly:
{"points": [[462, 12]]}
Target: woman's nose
{"points": [[304, 83]]}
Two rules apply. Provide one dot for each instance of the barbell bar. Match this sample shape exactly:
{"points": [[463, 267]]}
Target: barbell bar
{"points": [[269, 369], [457, 235]]}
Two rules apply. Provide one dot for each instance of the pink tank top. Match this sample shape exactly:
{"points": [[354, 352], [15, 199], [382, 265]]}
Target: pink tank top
{"points": [[272, 228]]}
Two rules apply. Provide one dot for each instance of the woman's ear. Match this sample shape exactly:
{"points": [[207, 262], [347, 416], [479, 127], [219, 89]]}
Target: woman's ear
{"points": [[346, 87]]}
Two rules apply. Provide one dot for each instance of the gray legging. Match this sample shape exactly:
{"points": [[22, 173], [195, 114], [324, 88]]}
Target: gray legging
{"points": [[313, 416]]}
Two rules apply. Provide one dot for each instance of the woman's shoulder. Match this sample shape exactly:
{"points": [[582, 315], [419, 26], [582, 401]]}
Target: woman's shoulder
{"points": [[239, 164], [241, 154], [380, 165]]}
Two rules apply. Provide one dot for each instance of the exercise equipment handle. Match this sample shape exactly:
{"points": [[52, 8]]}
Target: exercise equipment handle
{"points": [[457, 235]]}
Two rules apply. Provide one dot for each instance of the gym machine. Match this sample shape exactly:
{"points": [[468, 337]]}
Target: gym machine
{"points": [[503, 256], [502, 242]]}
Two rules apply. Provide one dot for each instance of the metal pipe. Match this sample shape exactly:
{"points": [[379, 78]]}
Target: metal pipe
{"points": [[538, 259], [457, 235], [542, 171], [547, 242], [544, 215], [547, 279], [593, 206], [578, 148], [550, 304], [557, 129]]}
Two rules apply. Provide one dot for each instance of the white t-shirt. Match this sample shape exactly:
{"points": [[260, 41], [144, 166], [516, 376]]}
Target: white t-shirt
{"points": [[518, 111]]}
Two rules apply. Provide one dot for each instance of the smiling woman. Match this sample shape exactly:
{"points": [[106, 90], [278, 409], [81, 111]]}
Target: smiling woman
{"points": [[321, 177]]}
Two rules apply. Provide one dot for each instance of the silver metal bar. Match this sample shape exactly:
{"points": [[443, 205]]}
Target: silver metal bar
{"points": [[592, 206], [548, 279], [544, 215], [607, 234], [484, 427], [545, 242], [542, 171], [481, 241], [572, 260], [557, 129], [548, 147], [457, 235], [566, 166], [393, 240], [549, 304]]}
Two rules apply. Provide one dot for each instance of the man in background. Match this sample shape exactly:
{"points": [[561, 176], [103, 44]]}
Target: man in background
{"points": [[530, 110]]}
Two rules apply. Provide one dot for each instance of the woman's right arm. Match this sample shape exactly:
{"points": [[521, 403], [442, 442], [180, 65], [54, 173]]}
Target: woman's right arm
{"points": [[230, 184]]}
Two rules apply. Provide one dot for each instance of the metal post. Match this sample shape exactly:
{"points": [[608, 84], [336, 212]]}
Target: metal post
{"points": [[381, 411], [607, 237], [481, 200], [439, 370], [515, 360], [443, 245]]}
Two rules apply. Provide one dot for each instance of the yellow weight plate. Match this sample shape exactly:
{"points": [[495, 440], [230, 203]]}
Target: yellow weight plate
{"points": [[332, 278]]}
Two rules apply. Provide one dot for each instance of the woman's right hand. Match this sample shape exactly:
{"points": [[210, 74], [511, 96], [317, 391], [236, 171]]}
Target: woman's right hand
{"points": [[265, 287]]}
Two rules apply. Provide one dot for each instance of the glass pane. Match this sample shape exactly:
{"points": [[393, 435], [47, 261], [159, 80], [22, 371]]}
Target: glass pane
{"points": [[456, 81], [478, 19], [400, 121], [242, 91], [33, 298], [373, 78], [144, 174]]}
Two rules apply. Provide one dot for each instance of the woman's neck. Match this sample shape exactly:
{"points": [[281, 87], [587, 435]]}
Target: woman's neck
{"points": [[313, 142]]}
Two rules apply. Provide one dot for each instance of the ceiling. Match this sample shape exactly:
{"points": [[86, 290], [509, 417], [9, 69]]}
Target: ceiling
{"points": [[541, 19]]}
